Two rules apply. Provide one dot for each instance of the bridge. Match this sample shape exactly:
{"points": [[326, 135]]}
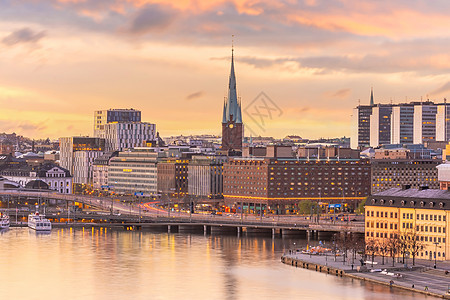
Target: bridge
{"points": [[125, 215]]}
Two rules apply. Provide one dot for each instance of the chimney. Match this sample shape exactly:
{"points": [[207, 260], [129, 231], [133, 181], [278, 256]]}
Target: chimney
{"points": [[423, 187], [406, 187]]}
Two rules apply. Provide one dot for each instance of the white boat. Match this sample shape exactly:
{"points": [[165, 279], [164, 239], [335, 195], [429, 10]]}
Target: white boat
{"points": [[4, 221], [38, 222]]}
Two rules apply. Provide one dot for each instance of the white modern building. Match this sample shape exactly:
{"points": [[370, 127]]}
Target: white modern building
{"points": [[83, 166], [70, 145], [443, 122], [402, 124], [205, 177], [134, 171], [424, 122], [121, 136], [103, 117], [380, 125]]}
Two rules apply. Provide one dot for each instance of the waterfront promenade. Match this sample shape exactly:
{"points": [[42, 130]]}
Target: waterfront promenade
{"points": [[421, 278]]}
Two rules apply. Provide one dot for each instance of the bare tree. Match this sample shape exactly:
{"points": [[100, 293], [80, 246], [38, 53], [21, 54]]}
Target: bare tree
{"points": [[383, 248], [393, 245], [414, 243]]}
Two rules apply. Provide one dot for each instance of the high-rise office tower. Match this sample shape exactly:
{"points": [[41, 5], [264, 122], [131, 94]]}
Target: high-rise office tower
{"points": [[380, 125], [424, 122], [402, 124]]}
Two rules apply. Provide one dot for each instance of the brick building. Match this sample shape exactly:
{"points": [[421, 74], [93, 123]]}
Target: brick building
{"points": [[280, 184]]}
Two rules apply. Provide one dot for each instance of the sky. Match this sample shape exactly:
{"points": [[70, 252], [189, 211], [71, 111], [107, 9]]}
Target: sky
{"points": [[313, 60]]}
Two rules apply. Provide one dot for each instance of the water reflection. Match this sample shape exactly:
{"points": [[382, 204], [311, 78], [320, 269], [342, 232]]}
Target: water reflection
{"points": [[103, 264]]}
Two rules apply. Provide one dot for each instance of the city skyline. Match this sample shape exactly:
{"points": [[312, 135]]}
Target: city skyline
{"points": [[64, 59]]}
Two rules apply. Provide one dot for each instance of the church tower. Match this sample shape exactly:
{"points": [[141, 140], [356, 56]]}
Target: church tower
{"points": [[232, 127]]}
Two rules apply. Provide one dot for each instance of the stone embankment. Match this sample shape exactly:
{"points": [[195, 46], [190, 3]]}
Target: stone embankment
{"points": [[420, 279]]}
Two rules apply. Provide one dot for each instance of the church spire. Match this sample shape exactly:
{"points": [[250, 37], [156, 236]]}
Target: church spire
{"points": [[232, 109], [371, 97]]}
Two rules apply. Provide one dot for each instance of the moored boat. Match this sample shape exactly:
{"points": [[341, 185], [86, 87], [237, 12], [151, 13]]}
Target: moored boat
{"points": [[4, 221], [39, 222]]}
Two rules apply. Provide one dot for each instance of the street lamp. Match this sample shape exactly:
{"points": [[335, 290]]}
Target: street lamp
{"points": [[435, 253]]}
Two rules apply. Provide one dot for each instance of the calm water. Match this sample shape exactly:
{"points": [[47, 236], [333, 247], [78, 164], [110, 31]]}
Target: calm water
{"points": [[103, 264]]}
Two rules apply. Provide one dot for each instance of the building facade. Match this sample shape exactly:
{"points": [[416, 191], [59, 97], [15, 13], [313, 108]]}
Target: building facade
{"points": [[127, 135], [286, 182], [57, 178], [402, 128], [83, 171], [103, 117], [7, 149], [443, 122], [232, 126], [424, 122], [100, 171], [173, 177], [70, 145], [134, 171], [380, 125], [421, 215], [205, 177], [361, 126], [395, 173], [404, 123]]}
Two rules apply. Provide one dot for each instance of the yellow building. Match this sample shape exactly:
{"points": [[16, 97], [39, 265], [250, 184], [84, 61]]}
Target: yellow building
{"points": [[423, 214]]}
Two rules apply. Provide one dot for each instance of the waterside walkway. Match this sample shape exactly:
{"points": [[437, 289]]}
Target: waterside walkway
{"points": [[422, 278]]}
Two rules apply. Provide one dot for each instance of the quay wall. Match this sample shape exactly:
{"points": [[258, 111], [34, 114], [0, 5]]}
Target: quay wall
{"points": [[299, 263]]}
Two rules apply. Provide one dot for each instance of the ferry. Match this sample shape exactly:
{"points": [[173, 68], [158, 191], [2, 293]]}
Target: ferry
{"points": [[38, 222], [4, 221]]}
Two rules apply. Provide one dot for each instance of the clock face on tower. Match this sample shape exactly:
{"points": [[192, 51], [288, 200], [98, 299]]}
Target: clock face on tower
{"points": [[232, 136]]}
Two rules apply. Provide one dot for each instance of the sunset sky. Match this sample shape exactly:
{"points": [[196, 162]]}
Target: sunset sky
{"points": [[62, 59]]}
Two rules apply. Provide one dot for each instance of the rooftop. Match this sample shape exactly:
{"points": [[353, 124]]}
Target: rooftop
{"points": [[415, 193]]}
